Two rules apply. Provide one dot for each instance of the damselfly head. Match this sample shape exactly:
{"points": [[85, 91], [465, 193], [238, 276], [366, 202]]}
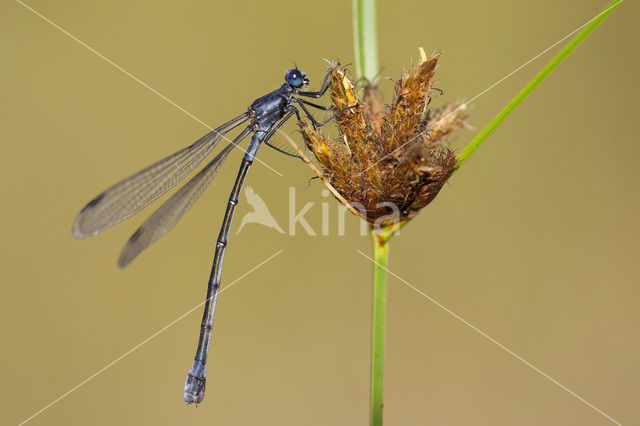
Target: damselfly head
{"points": [[296, 78]]}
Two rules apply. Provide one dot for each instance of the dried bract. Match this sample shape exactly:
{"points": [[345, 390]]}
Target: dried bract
{"points": [[390, 160]]}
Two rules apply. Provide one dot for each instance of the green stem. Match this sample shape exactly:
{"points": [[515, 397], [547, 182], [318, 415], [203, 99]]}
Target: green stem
{"points": [[464, 155], [365, 39], [380, 255]]}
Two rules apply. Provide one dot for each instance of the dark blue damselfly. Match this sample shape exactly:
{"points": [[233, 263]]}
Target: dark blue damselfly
{"points": [[123, 200]]}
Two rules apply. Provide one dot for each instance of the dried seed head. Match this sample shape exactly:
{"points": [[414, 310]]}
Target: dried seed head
{"points": [[390, 160]]}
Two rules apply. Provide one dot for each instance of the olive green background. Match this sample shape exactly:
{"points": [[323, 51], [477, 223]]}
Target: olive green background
{"points": [[534, 241]]}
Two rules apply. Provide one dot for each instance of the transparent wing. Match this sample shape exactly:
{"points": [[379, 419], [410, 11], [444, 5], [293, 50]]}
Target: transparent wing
{"points": [[128, 197], [165, 218]]}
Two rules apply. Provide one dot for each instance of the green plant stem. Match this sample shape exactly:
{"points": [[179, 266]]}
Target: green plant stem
{"points": [[365, 39], [464, 155], [380, 255]]}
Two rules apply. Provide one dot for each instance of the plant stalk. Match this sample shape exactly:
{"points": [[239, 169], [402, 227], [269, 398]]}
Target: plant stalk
{"points": [[468, 150], [380, 255], [365, 39]]}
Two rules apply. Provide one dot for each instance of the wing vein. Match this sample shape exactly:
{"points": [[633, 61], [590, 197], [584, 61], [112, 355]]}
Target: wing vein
{"points": [[132, 194], [168, 214]]}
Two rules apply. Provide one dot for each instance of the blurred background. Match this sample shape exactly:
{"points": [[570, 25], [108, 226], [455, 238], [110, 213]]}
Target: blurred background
{"points": [[534, 241]]}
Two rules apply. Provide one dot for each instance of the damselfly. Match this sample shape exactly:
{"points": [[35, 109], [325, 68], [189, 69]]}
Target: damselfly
{"points": [[123, 200]]}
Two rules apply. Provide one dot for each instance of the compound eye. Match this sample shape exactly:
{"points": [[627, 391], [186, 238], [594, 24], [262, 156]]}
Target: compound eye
{"points": [[294, 77]]}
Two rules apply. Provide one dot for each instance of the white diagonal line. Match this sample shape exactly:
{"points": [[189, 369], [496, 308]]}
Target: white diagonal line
{"points": [[91, 377], [464, 105], [119, 68], [500, 345]]}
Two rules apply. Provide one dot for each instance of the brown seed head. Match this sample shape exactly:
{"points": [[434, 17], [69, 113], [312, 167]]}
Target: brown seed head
{"points": [[390, 160]]}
